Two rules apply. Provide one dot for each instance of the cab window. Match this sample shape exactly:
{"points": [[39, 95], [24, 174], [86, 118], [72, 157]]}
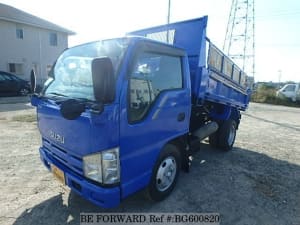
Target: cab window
{"points": [[290, 88], [152, 74]]}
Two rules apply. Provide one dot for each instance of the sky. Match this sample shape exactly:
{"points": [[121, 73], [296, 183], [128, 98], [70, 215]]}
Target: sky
{"points": [[277, 25]]}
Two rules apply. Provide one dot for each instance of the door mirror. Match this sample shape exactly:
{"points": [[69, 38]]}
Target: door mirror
{"points": [[103, 80]]}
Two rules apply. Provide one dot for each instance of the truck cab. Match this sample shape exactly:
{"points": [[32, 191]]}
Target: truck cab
{"points": [[83, 130]]}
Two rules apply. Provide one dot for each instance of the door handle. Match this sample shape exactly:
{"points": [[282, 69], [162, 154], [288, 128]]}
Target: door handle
{"points": [[181, 117]]}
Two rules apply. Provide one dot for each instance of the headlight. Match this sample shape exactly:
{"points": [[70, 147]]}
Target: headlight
{"points": [[111, 166], [92, 167], [103, 167]]}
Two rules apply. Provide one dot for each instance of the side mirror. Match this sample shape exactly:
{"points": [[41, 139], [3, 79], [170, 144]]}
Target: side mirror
{"points": [[103, 80]]}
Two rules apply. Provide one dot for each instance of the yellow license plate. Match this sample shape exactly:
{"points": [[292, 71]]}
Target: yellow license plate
{"points": [[58, 173]]}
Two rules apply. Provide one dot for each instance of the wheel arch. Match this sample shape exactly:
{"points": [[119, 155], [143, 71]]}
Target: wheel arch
{"points": [[181, 143], [222, 112], [236, 116]]}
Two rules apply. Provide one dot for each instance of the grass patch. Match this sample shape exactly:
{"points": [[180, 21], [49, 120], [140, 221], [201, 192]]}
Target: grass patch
{"points": [[267, 94], [25, 118]]}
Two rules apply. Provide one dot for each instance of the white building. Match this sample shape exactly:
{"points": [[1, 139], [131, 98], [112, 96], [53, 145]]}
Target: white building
{"points": [[28, 42]]}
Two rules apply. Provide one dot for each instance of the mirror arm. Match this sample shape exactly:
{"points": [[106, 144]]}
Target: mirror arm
{"points": [[97, 108]]}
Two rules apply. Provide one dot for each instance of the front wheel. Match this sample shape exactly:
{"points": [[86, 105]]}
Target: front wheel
{"points": [[165, 173]]}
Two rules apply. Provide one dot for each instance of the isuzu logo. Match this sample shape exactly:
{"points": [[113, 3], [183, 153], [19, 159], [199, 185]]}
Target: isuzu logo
{"points": [[57, 137]]}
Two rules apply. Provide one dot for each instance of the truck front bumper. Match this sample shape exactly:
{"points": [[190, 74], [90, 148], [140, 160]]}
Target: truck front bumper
{"points": [[103, 197]]}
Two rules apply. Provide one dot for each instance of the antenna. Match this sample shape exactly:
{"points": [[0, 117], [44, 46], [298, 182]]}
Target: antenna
{"points": [[239, 43]]}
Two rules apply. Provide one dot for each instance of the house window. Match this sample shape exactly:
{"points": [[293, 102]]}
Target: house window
{"points": [[19, 33], [53, 39], [16, 68]]}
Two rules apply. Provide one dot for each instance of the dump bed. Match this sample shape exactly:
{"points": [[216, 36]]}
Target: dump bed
{"points": [[214, 77]]}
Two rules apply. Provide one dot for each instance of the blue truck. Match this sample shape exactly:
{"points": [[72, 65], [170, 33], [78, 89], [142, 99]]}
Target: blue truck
{"points": [[121, 115]]}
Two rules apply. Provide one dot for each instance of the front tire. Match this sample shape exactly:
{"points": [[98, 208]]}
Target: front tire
{"points": [[165, 173]]}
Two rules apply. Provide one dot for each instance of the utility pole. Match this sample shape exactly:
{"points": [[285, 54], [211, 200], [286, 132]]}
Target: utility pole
{"points": [[239, 43], [169, 11], [168, 18], [279, 76]]}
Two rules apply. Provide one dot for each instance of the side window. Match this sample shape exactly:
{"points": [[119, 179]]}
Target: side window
{"points": [[2, 77], [290, 87], [14, 78], [151, 74], [6, 77]]}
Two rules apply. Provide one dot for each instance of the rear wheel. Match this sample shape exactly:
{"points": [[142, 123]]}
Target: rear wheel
{"points": [[214, 139], [165, 173], [224, 138], [227, 134]]}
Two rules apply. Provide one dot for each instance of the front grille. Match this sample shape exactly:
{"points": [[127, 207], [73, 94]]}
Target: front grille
{"points": [[63, 156]]}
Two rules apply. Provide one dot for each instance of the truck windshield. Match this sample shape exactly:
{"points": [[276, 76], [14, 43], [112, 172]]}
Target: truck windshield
{"points": [[72, 76]]}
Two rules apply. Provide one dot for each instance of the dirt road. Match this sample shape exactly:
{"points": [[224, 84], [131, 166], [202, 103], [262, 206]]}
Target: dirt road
{"points": [[258, 182]]}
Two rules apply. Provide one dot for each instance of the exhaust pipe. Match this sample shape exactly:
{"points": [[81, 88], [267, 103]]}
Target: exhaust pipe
{"points": [[206, 130]]}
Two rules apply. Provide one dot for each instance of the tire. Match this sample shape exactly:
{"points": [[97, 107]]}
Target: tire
{"points": [[227, 134], [214, 140], [23, 92], [165, 173]]}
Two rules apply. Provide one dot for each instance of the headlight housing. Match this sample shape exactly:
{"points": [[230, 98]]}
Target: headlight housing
{"points": [[103, 167]]}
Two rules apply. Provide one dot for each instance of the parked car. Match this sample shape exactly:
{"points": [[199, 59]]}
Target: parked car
{"points": [[10, 84]]}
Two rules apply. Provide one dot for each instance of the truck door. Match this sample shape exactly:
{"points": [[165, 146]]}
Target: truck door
{"points": [[155, 108]]}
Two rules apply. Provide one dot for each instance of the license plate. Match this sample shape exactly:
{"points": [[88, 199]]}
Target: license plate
{"points": [[58, 173]]}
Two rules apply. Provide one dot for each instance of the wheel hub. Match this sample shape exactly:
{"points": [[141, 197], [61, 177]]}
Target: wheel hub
{"points": [[166, 173]]}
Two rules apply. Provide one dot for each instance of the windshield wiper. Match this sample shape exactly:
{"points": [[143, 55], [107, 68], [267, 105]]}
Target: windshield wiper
{"points": [[57, 94], [92, 105]]}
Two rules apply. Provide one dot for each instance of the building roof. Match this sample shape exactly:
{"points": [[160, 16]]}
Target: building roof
{"points": [[12, 14]]}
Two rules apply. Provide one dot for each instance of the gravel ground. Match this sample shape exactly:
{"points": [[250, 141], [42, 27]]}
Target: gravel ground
{"points": [[258, 182]]}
